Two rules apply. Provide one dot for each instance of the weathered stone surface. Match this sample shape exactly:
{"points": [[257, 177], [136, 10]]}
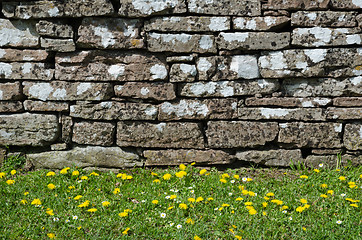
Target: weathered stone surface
{"points": [[114, 110], [227, 68], [155, 91], [93, 133], [62, 91], [323, 19], [326, 151], [288, 102], [272, 158], [183, 72], [163, 135], [34, 106], [260, 23], [67, 125], [109, 66], [333, 62], [90, 156], [188, 24], [18, 34], [327, 87], [176, 157], [50, 9], [198, 109], [26, 55], [315, 135], [344, 113], [144, 8], [58, 147], [10, 91], [352, 137], [182, 59], [304, 114], [346, 4], [296, 4], [181, 42], [253, 40], [28, 129], [2, 155], [57, 29], [108, 33], [232, 7], [58, 45], [348, 102], [232, 134], [229, 88], [318, 36], [27, 70], [313, 161], [6, 106]]}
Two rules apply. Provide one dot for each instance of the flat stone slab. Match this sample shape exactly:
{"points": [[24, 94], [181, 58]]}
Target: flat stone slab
{"points": [[182, 72], [16, 33], [110, 33], [145, 8], [346, 4], [90, 156], [10, 91], [233, 134], [27, 70], [344, 113], [302, 114], [57, 45], [348, 101], [313, 161], [27, 129], [289, 102], [323, 19], [231, 7], [40, 106], [161, 135], [176, 157], [54, 28], [352, 137], [296, 5], [267, 23], [26, 55], [271, 158], [141, 90], [93, 133], [11, 107]]}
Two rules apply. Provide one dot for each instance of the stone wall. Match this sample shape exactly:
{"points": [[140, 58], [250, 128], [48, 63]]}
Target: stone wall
{"points": [[125, 83]]}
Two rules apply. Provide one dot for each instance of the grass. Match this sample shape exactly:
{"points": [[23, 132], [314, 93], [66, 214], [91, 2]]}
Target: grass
{"points": [[182, 203]]}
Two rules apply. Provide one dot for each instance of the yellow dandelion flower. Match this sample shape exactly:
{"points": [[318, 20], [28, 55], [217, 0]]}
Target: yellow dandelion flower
{"points": [[252, 211], [248, 203], [197, 237], [92, 210], [191, 200], [223, 180], [354, 205], [78, 197], [238, 237], [303, 200], [23, 201], [190, 221], [225, 175], [270, 194], [316, 170], [323, 196], [182, 167], [51, 186], [123, 214], [252, 193], [116, 190], [84, 204], [192, 164], [210, 199], [156, 181], [64, 170], [303, 177], [2, 174], [128, 210], [120, 175], [338, 170], [13, 172], [245, 192], [180, 174], [105, 203], [324, 185], [278, 202], [331, 192], [50, 212], [225, 205], [239, 199], [75, 173], [173, 197], [36, 202], [306, 206], [84, 177], [125, 232], [264, 213], [249, 179], [155, 202], [199, 199], [299, 209], [154, 174], [51, 235], [360, 176], [10, 182], [241, 187], [266, 198], [49, 174], [342, 178], [232, 230], [203, 171], [93, 174], [167, 176], [169, 208], [182, 206], [265, 204], [236, 176], [284, 207], [79, 227], [351, 200], [71, 187], [352, 186]]}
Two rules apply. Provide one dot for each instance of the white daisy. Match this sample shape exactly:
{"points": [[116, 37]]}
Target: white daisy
{"points": [[339, 222], [75, 217], [163, 215], [179, 226]]}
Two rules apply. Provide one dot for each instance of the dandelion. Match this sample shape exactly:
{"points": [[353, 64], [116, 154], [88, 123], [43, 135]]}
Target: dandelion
{"points": [[303, 177], [125, 232], [223, 180], [172, 197], [182, 167], [270, 194], [123, 214], [299, 209], [323, 196], [248, 203], [13, 172], [154, 174], [252, 194], [2, 174], [10, 182], [64, 170], [36, 202], [180, 174], [105, 203], [210, 199], [169, 208], [331, 192], [342, 178], [116, 190], [163, 215], [167, 176], [93, 174], [197, 237], [156, 181], [155, 202], [339, 222], [192, 164], [23, 202], [354, 205], [199, 199], [51, 186], [203, 171], [50, 212], [249, 179], [303, 200], [75, 217], [266, 198], [92, 210], [225, 175], [179, 226], [252, 211], [84, 204], [190, 221], [264, 213], [265, 204], [239, 199], [316, 170], [51, 235], [83, 177], [78, 197], [285, 207], [75, 173], [182, 206], [71, 187], [225, 205], [238, 237], [236, 176], [324, 185]]}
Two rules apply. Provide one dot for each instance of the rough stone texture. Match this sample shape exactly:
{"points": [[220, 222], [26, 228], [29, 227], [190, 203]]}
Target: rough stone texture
{"points": [[114, 110], [176, 157], [28, 129], [232, 7], [109, 66], [344, 113], [40, 106], [58, 45], [271, 158], [10, 91], [155, 91], [55, 28], [233, 134], [346, 4], [267, 23], [352, 137], [305, 114], [183, 73], [27, 70], [313, 161], [16, 55], [198, 109], [181, 59], [161, 135], [62, 91], [323, 19], [229, 88], [2, 155], [253, 40], [107, 33], [93, 133], [144, 8], [318, 36], [315, 135], [67, 125], [188, 24], [6, 106], [348, 102], [326, 151], [90, 156], [58, 147], [18, 34], [289, 102], [181, 42], [296, 4]]}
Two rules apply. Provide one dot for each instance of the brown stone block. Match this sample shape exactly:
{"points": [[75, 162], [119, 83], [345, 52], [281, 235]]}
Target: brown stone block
{"points": [[272, 158], [58, 45], [231, 7], [288, 102], [18, 33], [324, 19], [26, 55], [353, 136], [144, 8], [344, 113], [348, 102], [142, 90], [6, 106], [40, 106], [183, 73], [301, 114], [296, 4], [55, 28], [27, 70], [93, 133], [10, 91]]}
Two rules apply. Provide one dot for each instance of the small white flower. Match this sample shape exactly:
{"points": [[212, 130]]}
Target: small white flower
{"points": [[192, 191], [178, 201], [339, 222], [232, 181], [143, 201], [142, 192], [215, 209], [171, 190], [56, 219], [189, 187], [321, 165], [176, 190], [230, 193], [284, 211], [179, 226], [80, 181], [244, 179], [171, 224], [163, 215], [168, 197], [67, 221], [75, 217], [343, 195], [290, 218]]}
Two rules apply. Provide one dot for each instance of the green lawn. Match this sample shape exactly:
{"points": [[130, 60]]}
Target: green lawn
{"points": [[182, 204]]}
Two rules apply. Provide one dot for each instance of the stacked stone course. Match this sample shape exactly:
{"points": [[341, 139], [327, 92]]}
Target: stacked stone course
{"points": [[124, 83]]}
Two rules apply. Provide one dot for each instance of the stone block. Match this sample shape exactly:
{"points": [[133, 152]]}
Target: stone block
{"points": [[344, 113], [57, 45], [145, 8], [26, 55], [110, 33], [28, 129], [177, 156], [161, 135], [181, 72], [313, 161], [6, 107], [40, 106], [352, 137], [10, 91], [2, 155], [90, 156], [67, 91], [253, 40], [109, 66], [302, 114], [18, 33], [55, 28], [326, 151], [114, 110], [93, 133], [198, 109], [181, 42], [231, 7], [323, 19], [27, 70], [58, 147], [296, 5], [156, 91], [233, 134], [347, 102], [67, 125], [288, 102], [181, 59], [312, 135], [346, 4], [267, 23], [188, 24], [271, 158]]}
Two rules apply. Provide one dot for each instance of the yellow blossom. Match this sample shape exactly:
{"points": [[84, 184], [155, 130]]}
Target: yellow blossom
{"points": [[236, 176], [154, 201], [225, 205], [93, 174], [105, 203], [248, 203], [354, 205], [316, 170], [51, 235], [192, 164], [199, 199], [49, 174], [125, 232], [270, 194], [154, 174], [78, 197], [266, 198], [331, 192], [13, 172], [116, 190], [23, 201], [10, 182], [190, 221], [223, 180], [197, 237], [191, 200], [92, 210], [84, 177], [203, 171], [79, 227], [245, 192], [2, 174], [64, 170], [50, 212], [167, 176], [324, 185], [84, 204], [182, 206], [278, 202], [351, 200], [123, 214], [264, 213], [251, 193], [156, 181], [284, 207], [342, 178], [127, 210], [51, 186], [75, 173], [303, 200], [71, 187], [252, 211], [303, 176], [323, 196], [36, 202], [173, 197], [169, 208], [225, 175], [238, 237], [180, 174], [249, 179], [239, 199], [210, 199], [299, 209], [265, 204], [182, 167]]}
